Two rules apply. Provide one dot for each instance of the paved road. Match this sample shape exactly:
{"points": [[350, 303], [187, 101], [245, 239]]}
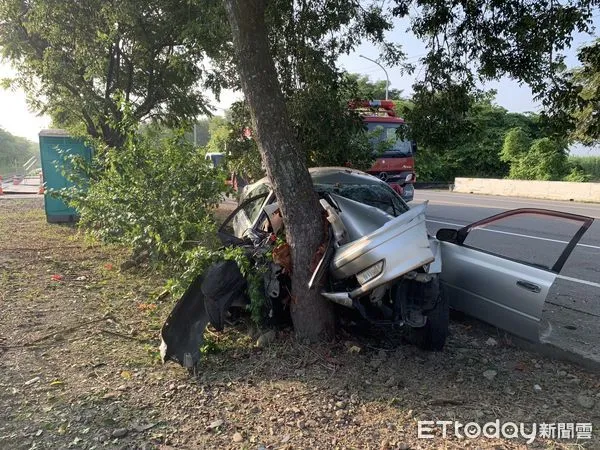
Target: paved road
{"points": [[28, 186], [574, 301]]}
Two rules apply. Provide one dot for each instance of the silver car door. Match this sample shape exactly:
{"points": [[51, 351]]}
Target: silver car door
{"points": [[502, 282]]}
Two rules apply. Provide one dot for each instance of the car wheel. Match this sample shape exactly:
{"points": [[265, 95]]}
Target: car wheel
{"points": [[433, 335]]}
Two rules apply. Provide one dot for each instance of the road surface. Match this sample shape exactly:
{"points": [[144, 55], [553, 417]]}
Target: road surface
{"points": [[573, 305], [30, 185]]}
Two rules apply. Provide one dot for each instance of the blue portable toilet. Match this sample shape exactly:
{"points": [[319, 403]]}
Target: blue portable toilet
{"points": [[53, 163]]}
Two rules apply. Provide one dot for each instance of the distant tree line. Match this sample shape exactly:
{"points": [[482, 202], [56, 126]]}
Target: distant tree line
{"points": [[14, 152]]}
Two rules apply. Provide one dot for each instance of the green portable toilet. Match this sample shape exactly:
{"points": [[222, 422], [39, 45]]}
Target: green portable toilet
{"points": [[51, 141]]}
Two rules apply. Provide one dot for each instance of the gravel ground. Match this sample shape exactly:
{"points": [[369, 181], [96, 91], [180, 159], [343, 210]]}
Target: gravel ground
{"points": [[79, 368]]}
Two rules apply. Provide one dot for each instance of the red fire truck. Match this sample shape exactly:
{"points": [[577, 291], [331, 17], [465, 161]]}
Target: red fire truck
{"points": [[396, 164]]}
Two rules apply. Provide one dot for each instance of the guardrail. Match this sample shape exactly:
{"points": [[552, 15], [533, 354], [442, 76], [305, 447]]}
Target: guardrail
{"points": [[550, 190]]}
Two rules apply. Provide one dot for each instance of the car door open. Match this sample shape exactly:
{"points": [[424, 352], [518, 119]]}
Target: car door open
{"points": [[498, 272]]}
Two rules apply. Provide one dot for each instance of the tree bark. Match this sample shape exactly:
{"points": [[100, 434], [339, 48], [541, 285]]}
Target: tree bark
{"points": [[286, 168]]}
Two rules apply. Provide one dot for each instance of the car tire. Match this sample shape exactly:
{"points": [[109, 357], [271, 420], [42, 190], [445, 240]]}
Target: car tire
{"points": [[432, 336]]}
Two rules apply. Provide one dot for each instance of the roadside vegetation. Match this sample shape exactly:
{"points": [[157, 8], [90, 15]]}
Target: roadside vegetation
{"points": [[487, 141], [156, 195]]}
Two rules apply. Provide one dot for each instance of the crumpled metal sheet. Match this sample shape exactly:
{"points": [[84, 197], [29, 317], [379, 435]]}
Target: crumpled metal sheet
{"points": [[358, 218]]}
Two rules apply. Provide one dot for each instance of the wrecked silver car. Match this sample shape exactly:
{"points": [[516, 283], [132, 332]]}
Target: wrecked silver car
{"points": [[381, 263]]}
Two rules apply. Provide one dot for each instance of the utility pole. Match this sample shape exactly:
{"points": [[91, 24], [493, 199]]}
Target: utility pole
{"points": [[387, 84]]}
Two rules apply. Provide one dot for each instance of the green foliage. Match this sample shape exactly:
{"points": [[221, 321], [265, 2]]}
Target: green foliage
{"points": [[192, 262], [254, 270], [75, 60], [590, 165], [335, 139], [307, 38], [458, 130], [329, 132], [550, 158], [227, 136], [574, 100], [516, 145], [577, 175], [438, 117], [432, 165], [451, 143], [14, 152], [468, 41], [544, 159], [202, 130], [156, 194], [198, 259], [461, 134], [218, 131]]}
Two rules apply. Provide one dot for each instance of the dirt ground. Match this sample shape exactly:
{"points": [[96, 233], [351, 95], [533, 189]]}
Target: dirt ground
{"points": [[79, 368]]}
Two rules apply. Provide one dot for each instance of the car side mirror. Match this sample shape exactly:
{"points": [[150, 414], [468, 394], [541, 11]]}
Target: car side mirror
{"points": [[413, 147], [447, 235]]}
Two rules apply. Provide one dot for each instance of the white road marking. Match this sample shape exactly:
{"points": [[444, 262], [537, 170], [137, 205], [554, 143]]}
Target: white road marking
{"points": [[514, 234], [563, 277], [477, 205], [467, 200], [577, 280]]}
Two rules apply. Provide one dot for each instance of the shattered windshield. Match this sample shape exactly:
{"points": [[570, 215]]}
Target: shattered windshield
{"points": [[378, 195]]}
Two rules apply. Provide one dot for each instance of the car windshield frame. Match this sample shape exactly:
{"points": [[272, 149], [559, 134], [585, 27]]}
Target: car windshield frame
{"points": [[398, 205]]}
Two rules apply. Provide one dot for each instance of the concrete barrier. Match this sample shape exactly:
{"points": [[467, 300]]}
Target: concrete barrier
{"points": [[551, 190]]}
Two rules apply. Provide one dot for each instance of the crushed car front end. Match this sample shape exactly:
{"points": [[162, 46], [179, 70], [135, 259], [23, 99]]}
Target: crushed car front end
{"points": [[398, 247], [379, 261]]}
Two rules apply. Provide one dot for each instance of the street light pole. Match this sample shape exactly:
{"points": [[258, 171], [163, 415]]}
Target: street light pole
{"points": [[387, 84]]}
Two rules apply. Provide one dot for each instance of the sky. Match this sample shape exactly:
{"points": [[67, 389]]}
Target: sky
{"points": [[18, 119], [15, 115]]}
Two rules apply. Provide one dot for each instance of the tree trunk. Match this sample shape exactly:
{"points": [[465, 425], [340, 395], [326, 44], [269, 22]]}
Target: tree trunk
{"points": [[286, 168]]}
